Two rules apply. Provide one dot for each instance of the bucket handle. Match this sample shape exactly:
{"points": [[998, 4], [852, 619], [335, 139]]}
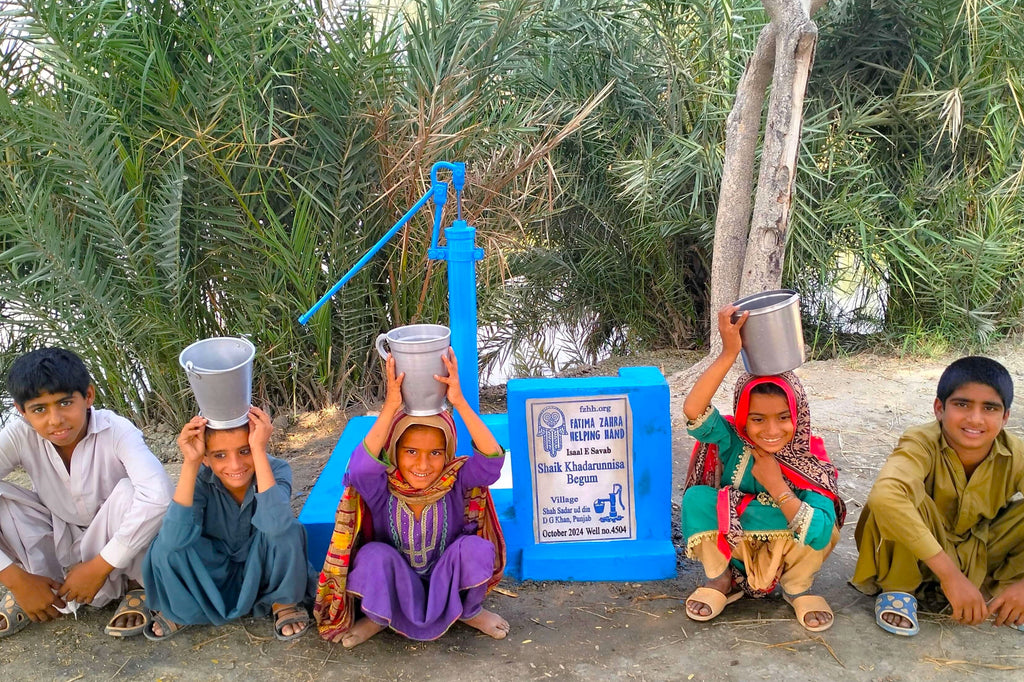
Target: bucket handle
{"points": [[191, 372], [381, 338]]}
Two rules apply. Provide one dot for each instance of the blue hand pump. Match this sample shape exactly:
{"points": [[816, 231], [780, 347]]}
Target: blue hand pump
{"points": [[461, 253]]}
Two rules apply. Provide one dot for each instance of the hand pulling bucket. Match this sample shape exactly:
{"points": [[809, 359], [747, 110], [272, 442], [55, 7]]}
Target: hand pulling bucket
{"points": [[773, 338], [417, 350], [219, 371]]}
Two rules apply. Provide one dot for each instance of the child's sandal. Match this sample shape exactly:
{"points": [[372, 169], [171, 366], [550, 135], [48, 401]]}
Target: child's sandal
{"points": [[804, 604], [292, 614], [134, 602], [168, 628], [13, 614], [713, 599], [901, 604]]}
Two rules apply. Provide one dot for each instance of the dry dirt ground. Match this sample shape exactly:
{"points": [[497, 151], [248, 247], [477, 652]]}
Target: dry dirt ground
{"points": [[594, 631]]}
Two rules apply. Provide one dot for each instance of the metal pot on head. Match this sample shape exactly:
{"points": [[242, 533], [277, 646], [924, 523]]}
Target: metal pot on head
{"points": [[417, 350], [773, 337], [219, 371]]}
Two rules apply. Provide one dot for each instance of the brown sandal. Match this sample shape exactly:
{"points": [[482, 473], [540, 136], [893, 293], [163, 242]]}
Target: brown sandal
{"points": [[293, 614], [134, 602]]}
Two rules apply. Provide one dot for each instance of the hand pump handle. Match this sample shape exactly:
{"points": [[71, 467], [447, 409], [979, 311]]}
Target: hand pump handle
{"points": [[438, 192]]}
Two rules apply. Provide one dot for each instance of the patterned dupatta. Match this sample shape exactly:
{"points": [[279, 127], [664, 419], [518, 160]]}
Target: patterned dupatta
{"points": [[803, 461], [334, 608]]}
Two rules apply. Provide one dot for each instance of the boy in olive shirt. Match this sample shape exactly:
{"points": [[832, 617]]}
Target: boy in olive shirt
{"points": [[947, 507]]}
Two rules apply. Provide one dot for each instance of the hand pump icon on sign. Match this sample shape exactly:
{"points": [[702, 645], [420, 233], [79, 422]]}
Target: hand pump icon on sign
{"points": [[613, 514]]}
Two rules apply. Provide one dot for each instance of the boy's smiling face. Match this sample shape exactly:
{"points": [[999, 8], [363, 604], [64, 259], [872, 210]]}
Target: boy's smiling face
{"points": [[971, 418], [61, 418], [229, 457]]}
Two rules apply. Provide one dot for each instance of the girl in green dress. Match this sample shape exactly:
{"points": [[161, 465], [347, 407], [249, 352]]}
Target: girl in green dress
{"points": [[761, 506]]}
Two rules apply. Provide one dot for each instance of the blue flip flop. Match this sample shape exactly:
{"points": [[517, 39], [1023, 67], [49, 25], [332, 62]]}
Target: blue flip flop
{"points": [[902, 604]]}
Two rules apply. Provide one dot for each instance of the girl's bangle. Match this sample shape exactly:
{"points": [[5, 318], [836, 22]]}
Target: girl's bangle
{"points": [[781, 500]]}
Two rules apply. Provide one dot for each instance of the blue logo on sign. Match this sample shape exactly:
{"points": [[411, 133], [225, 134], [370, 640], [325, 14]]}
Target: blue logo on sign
{"points": [[551, 428]]}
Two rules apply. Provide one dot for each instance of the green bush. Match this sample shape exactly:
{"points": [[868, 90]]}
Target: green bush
{"points": [[172, 171]]}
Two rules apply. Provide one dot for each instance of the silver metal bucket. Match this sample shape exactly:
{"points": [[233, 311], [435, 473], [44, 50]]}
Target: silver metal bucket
{"points": [[773, 337], [417, 350], [220, 373]]}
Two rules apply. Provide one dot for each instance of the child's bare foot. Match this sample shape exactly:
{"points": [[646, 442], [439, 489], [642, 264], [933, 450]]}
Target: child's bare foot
{"points": [[722, 583], [129, 621], [489, 623], [363, 630], [815, 619]]}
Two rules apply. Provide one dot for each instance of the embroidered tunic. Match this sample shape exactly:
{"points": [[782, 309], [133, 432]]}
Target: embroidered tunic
{"points": [[762, 519], [421, 540]]}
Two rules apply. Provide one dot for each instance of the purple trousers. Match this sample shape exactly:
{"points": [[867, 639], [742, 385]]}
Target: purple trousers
{"points": [[394, 596]]}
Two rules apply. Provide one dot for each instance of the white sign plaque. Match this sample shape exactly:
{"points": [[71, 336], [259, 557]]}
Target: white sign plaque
{"points": [[582, 461]]}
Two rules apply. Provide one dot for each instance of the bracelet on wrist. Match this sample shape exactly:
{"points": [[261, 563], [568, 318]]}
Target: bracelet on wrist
{"points": [[781, 499]]}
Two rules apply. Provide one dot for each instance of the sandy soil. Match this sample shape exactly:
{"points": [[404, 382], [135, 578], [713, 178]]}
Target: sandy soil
{"points": [[588, 631]]}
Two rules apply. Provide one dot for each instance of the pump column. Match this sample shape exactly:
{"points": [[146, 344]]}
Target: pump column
{"points": [[462, 256]]}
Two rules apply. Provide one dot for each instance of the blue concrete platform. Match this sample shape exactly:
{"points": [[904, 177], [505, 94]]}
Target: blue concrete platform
{"points": [[583, 448]]}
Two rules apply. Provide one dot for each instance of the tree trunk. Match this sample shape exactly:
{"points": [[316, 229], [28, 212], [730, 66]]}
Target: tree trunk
{"points": [[794, 51], [748, 251], [742, 129]]}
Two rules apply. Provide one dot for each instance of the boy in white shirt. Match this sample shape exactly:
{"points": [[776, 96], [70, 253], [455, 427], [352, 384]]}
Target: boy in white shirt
{"points": [[99, 498]]}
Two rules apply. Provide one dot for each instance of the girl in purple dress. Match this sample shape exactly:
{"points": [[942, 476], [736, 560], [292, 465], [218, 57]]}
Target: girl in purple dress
{"points": [[416, 538]]}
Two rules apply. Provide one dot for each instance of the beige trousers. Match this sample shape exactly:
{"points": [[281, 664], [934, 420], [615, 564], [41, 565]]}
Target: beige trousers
{"points": [[794, 564], [991, 555]]}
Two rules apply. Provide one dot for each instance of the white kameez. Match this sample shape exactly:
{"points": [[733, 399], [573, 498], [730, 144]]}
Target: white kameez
{"points": [[111, 503]]}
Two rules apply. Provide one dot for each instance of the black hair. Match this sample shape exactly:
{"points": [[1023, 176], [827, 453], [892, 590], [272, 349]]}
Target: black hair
{"points": [[768, 388], [47, 370], [976, 369], [209, 429]]}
